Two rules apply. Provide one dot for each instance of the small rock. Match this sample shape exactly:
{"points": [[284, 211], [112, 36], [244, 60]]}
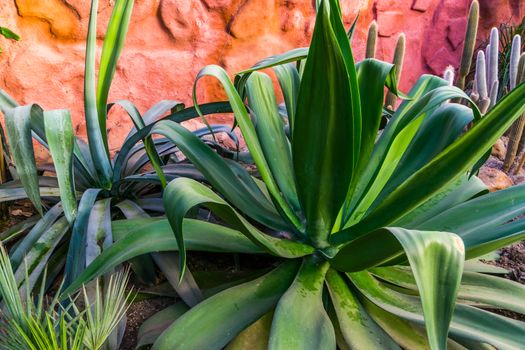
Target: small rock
{"points": [[494, 179], [499, 150]]}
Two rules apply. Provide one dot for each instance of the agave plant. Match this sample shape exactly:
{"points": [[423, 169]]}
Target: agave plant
{"points": [[371, 229], [29, 322], [90, 187]]}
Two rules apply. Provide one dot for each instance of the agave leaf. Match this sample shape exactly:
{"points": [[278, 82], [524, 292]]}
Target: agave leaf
{"points": [[468, 322], [36, 258], [250, 136], [17, 229], [255, 336], [13, 194], [300, 320], [438, 282], [246, 302], [18, 125], [135, 237], [98, 229], [76, 255], [476, 287], [357, 328], [272, 61], [270, 131], [153, 327], [329, 112], [182, 194], [453, 162], [464, 188], [149, 146], [222, 177], [111, 50], [451, 119], [97, 134], [177, 116], [60, 137], [486, 212], [143, 266], [289, 80], [18, 253]]}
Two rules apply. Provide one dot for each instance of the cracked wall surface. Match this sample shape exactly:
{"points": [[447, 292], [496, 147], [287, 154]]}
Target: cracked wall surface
{"points": [[170, 40]]}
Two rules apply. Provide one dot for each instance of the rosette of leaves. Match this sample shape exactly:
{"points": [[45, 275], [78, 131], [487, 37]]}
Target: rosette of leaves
{"points": [[87, 187], [371, 230]]}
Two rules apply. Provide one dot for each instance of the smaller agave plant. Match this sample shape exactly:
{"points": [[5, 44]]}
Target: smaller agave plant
{"points": [[371, 230], [87, 186]]}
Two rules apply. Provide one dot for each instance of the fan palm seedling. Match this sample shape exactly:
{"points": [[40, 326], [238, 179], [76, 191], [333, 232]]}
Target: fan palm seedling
{"points": [[29, 322], [89, 187], [371, 229]]}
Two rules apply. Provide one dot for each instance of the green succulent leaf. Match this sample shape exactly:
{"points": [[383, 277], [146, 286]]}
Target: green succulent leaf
{"points": [[153, 327], [270, 131], [289, 81], [300, 320], [18, 126], [247, 302], [453, 162], [475, 287], [60, 137], [76, 255], [358, 329], [182, 194], [111, 50], [97, 134], [135, 237], [250, 136], [436, 259], [329, 112]]}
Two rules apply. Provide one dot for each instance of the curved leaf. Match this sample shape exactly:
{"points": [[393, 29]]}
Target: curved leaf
{"points": [[60, 137], [330, 114], [300, 320], [436, 259], [358, 329], [135, 237], [182, 194], [18, 127], [222, 316]]}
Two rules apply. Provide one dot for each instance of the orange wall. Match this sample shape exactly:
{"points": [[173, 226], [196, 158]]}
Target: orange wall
{"points": [[170, 40]]}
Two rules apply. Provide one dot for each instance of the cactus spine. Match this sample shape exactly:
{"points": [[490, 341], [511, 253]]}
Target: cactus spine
{"points": [[470, 42], [399, 57], [371, 41]]}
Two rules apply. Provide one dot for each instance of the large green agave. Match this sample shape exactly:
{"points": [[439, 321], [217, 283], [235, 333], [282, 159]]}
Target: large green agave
{"points": [[373, 232]]}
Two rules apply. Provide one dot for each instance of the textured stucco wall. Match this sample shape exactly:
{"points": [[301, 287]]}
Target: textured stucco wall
{"points": [[170, 40]]}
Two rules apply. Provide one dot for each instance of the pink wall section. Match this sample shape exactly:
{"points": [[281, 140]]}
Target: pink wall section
{"points": [[170, 40]]}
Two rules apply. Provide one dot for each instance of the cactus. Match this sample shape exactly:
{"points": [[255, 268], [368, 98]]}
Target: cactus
{"points": [[481, 93], [470, 42], [448, 75], [516, 134], [514, 61], [493, 60], [399, 57], [371, 41]]}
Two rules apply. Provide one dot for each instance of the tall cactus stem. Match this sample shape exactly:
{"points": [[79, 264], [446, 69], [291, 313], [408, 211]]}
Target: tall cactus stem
{"points": [[470, 43], [493, 60], [371, 41], [514, 61], [399, 57], [481, 76]]}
